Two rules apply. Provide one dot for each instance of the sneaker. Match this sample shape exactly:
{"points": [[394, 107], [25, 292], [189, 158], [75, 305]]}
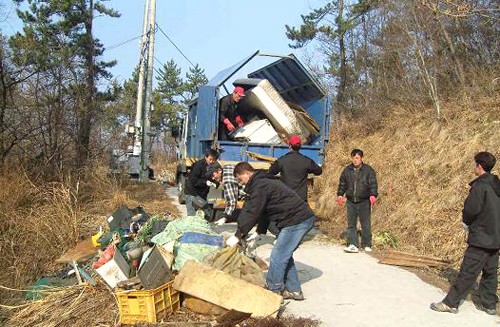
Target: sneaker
{"points": [[351, 249], [441, 307], [297, 296], [492, 312], [368, 249]]}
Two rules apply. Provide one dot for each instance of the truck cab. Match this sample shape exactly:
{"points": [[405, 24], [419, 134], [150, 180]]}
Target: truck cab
{"points": [[294, 84]]}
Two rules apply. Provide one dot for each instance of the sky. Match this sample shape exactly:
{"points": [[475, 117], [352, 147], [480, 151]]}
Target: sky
{"points": [[213, 33]]}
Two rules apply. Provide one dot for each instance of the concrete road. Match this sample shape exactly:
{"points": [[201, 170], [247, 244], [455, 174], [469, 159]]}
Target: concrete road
{"points": [[354, 290]]}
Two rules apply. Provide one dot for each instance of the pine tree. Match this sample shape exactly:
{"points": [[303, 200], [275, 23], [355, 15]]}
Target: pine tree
{"points": [[66, 26]]}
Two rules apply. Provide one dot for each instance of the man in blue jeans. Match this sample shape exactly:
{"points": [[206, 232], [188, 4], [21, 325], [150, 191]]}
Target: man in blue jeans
{"points": [[271, 200]]}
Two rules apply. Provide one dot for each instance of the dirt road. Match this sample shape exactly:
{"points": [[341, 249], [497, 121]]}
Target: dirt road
{"points": [[354, 290]]}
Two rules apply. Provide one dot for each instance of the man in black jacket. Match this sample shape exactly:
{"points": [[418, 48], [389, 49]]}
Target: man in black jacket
{"points": [[481, 216], [271, 200], [358, 182], [229, 115], [197, 182], [295, 167]]}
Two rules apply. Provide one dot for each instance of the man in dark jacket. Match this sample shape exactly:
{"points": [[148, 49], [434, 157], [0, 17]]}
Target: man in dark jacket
{"points": [[197, 182], [358, 182], [271, 200], [481, 216], [229, 116], [295, 167]]}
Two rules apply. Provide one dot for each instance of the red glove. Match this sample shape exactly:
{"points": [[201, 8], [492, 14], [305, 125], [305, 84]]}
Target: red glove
{"points": [[239, 121], [340, 200], [373, 200], [229, 125]]}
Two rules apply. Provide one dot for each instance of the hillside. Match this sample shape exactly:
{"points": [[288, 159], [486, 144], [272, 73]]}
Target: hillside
{"points": [[423, 169]]}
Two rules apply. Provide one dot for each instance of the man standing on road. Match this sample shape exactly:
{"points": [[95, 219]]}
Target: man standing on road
{"points": [[229, 117], [197, 181], [232, 190], [295, 167], [270, 200], [358, 182], [481, 216]]}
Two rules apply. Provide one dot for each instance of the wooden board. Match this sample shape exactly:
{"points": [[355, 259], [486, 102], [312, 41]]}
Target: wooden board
{"points": [[410, 260], [226, 291], [83, 251]]}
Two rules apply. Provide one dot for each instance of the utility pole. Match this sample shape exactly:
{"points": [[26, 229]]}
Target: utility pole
{"points": [[146, 145], [139, 160]]}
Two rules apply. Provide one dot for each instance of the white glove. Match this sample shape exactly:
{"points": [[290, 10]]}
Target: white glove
{"points": [[209, 184], [465, 227], [220, 222], [252, 239], [232, 241]]}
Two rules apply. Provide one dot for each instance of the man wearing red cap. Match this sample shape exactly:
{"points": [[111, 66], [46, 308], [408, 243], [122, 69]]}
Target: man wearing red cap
{"points": [[294, 168], [229, 117]]}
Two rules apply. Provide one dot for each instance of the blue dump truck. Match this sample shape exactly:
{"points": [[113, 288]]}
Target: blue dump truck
{"points": [[295, 85]]}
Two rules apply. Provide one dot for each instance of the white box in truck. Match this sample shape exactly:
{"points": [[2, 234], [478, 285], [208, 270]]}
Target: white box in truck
{"points": [[259, 131]]}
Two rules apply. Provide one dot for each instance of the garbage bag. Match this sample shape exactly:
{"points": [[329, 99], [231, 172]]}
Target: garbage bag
{"points": [[238, 265], [195, 246]]}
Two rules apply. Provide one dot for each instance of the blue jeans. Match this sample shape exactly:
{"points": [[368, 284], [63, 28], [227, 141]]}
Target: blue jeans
{"points": [[189, 205], [282, 274]]}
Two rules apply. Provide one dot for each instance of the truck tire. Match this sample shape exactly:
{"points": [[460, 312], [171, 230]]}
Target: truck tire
{"points": [[181, 182]]}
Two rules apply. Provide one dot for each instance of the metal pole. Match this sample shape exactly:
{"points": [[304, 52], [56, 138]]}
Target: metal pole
{"points": [[149, 94], [140, 88]]}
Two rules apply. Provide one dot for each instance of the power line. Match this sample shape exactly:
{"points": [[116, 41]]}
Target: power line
{"points": [[170, 40], [119, 44]]}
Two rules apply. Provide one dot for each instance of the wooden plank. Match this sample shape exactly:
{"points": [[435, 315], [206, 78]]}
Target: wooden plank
{"points": [[83, 251], [416, 256], [407, 263], [226, 291], [410, 260]]}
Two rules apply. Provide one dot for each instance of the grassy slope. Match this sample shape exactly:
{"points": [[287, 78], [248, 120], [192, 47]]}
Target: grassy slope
{"points": [[423, 170]]}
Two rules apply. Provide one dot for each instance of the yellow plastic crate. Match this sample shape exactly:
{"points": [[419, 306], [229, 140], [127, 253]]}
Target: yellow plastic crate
{"points": [[148, 306]]}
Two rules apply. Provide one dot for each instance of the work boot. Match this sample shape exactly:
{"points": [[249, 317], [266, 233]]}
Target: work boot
{"points": [[351, 249], [442, 307], [488, 311], [297, 296]]}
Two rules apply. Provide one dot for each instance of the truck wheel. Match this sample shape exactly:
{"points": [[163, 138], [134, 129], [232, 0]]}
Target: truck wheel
{"points": [[181, 181]]}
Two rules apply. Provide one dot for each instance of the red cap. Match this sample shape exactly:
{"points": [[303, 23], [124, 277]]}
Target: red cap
{"points": [[294, 140], [240, 91]]}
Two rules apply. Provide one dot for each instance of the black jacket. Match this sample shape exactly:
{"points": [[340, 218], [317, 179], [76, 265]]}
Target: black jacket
{"points": [[270, 200], [228, 109], [294, 168], [196, 182], [482, 212], [358, 184]]}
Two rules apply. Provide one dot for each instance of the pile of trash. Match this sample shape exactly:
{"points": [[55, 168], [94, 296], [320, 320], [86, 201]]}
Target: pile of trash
{"points": [[155, 265]]}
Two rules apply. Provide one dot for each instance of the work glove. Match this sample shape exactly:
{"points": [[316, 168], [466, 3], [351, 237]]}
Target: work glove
{"points": [[239, 121], [211, 184], [373, 200], [232, 241], [252, 239], [229, 125], [221, 221], [340, 200], [465, 227]]}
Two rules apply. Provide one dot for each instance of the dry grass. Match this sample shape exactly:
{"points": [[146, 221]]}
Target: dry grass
{"points": [[423, 169], [40, 221], [75, 306]]}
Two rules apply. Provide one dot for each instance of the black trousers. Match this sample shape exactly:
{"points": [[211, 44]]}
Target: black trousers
{"points": [[476, 260], [361, 210]]}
